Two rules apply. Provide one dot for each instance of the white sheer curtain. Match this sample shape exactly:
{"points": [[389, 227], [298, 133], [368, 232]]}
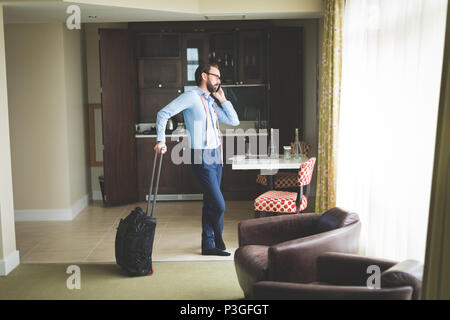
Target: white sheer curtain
{"points": [[391, 72]]}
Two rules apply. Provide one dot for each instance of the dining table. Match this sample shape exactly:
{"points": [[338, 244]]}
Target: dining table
{"points": [[268, 166]]}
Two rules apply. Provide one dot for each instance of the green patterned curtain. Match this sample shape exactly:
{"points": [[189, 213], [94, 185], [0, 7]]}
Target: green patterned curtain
{"points": [[329, 104]]}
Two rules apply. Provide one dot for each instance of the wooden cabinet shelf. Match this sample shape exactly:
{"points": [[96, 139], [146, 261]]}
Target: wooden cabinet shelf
{"points": [[161, 45], [252, 57], [241, 56], [159, 73], [223, 53], [151, 100]]}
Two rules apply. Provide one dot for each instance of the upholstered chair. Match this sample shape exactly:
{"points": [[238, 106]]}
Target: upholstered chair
{"points": [[285, 248]]}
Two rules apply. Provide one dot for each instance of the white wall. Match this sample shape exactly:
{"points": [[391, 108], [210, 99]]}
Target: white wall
{"points": [[77, 114], [47, 111], [9, 256]]}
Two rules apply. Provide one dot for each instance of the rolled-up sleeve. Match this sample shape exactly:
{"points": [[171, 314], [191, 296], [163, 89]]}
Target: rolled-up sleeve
{"points": [[173, 108]]}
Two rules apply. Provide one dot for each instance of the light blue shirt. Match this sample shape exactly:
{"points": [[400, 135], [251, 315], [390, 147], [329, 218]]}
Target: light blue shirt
{"points": [[194, 114]]}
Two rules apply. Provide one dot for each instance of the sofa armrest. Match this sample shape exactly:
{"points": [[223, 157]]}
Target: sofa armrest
{"points": [[271, 230], [272, 290], [295, 260], [347, 269]]}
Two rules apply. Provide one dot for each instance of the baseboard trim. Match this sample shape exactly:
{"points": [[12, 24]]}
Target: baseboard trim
{"points": [[52, 214], [10, 263], [169, 197]]}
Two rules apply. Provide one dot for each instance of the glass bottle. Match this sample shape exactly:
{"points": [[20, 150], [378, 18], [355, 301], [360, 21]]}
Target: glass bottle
{"points": [[297, 150], [273, 152]]}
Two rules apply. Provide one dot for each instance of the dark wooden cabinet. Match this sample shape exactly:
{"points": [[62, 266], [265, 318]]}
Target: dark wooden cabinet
{"points": [[176, 177], [119, 113], [188, 181], [158, 45], [159, 60], [143, 69], [159, 73], [223, 52], [238, 184], [152, 100], [252, 57], [170, 174], [285, 81], [169, 61], [241, 56]]}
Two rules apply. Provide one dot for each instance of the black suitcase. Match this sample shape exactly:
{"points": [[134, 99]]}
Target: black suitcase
{"points": [[135, 235]]}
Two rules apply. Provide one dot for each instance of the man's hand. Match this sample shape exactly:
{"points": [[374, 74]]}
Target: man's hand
{"points": [[220, 95], [160, 147]]}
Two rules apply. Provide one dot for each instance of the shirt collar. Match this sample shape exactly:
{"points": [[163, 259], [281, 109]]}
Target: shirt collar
{"points": [[201, 92]]}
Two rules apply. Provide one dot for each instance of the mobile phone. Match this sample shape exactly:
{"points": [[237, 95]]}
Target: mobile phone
{"points": [[214, 97]]}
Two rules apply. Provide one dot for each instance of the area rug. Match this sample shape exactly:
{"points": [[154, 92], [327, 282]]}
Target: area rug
{"points": [[170, 281]]}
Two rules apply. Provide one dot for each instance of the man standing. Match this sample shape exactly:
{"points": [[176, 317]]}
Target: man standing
{"points": [[202, 115]]}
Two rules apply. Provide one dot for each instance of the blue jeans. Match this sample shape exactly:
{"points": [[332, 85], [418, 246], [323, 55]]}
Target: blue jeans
{"points": [[207, 167]]}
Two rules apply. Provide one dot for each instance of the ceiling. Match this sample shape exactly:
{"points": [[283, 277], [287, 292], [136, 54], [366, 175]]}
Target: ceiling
{"points": [[55, 11]]}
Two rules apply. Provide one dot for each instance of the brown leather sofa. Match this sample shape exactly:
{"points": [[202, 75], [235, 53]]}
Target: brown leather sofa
{"points": [[345, 276], [285, 248]]}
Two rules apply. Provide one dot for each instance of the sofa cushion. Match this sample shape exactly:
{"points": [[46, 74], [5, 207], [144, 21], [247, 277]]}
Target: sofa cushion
{"points": [[327, 222], [405, 273], [335, 218]]}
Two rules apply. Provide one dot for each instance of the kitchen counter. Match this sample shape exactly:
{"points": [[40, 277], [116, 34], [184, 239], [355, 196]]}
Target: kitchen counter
{"points": [[182, 134]]}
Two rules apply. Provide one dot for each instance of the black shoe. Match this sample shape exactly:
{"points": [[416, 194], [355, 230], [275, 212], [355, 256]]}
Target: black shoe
{"points": [[214, 252], [220, 244]]}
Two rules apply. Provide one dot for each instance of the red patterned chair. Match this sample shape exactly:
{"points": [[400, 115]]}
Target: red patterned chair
{"points": [[284, 180], [276, 202]]}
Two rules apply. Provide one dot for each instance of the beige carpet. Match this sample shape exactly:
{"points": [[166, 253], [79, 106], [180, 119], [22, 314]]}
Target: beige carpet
{"points": [[170, 281]]}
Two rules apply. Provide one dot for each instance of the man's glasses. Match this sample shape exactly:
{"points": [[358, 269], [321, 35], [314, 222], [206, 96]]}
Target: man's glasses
{"points": [[215, 75]]}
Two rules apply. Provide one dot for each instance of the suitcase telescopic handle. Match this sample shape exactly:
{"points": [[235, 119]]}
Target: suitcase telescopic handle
{"points": [[151, 183]]}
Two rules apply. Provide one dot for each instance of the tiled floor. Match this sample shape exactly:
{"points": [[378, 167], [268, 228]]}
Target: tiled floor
{"points": [[90, 236]]}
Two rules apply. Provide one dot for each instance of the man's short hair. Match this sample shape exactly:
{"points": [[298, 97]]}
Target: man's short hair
{"points": [[203, 67]]}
